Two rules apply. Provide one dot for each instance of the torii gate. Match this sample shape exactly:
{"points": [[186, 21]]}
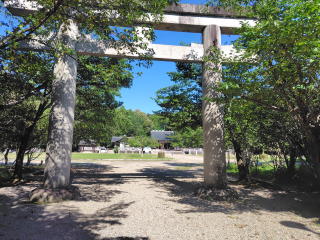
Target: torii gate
{"points": [[182, 18]]}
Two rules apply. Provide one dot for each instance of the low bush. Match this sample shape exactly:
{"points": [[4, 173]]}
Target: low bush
{"points": [[232, 168], [264, 157], [116, 149]]}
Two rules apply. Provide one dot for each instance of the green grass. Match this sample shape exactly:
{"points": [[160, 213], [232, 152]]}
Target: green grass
{"points": [[12, 156], [232, 168], [92, 156], [182, 168], [4, 173], [265, 171]]}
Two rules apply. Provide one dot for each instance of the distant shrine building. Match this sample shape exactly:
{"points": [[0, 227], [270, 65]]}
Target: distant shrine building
{"points": [[163, 137]]}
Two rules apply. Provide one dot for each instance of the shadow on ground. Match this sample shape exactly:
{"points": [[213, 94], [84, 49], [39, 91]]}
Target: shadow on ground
{"points": [[253, 199], [20, 219]]}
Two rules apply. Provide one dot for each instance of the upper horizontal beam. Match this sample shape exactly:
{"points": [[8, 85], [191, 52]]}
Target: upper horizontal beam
{"points": [[180, 18], [195, 9], [196, 24]]}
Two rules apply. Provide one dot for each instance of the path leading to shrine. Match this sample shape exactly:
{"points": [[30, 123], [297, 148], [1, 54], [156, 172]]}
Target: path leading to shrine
{"points": [[154, 200]]}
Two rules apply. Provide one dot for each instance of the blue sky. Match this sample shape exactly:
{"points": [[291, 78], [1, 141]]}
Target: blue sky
{"points": [[154, 78]]}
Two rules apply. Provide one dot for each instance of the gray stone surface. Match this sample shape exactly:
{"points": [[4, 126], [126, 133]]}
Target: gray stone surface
{"points": [[195, 9], [181, 18], [152, 200], [43, 195], [60, 133], [160, 52], [214, 194], [213, 122]]}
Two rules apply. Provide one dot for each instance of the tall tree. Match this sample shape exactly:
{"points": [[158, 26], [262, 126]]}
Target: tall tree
{"points": [[28, 75], [158, 122], [189, 138], [98, 82], [132, 123], [143, 141], [281, 65], [181, 103]]}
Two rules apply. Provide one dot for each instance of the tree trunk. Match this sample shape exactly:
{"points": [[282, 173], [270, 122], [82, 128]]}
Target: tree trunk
{"points": [[19, 160], [29, 158], [243, 167], [6, 156], [142, 152], [287, 161], [280, 157], [292, 162], [313, 153], [24, 142]]}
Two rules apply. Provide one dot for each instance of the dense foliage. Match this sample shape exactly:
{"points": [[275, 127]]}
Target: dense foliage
{"points": [[24, 118], [181, 103], [143, 141], [92, 18], [279, 67]]}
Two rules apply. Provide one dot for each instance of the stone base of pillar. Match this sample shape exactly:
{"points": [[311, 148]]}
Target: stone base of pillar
{"points": [[43, 195], [214, 194]]}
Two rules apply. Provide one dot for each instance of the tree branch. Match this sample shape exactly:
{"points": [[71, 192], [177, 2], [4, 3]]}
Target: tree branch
{"points": [[264, 104], [30, 94], [295, 63], [314, 114], [4, 42]]}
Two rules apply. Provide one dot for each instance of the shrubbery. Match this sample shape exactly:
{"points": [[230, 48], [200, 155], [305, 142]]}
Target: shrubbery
{"points": [[116, 149]]}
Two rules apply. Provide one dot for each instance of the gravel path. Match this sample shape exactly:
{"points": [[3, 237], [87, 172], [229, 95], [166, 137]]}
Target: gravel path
{"points": [[154, 200]]}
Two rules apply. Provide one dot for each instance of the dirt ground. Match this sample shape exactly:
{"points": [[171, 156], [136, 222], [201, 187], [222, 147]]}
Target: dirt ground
{"points": [[154, 200]]}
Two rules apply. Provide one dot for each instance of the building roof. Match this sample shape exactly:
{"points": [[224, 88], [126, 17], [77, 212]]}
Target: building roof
{"points": [[83, 142], [116, 139], [161, 135]]}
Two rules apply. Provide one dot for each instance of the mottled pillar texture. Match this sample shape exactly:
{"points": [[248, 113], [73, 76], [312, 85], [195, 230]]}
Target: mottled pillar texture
{"points": [[213, 122], [59, 145]]}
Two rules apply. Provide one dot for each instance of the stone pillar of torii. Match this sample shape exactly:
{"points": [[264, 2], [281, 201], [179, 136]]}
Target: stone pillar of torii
{"points": [[58, 152]]}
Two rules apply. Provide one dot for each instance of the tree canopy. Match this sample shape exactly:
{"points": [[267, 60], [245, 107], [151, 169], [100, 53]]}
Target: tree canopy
{"points": [[279, 67], [143, 141], [104, 19], [181, 103]]}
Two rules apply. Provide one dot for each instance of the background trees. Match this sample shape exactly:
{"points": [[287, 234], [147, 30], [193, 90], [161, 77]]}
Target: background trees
{"points": [[181, 103], [99, 81], [132, 123], [189, 138], [143, 141], [140, 125]]}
